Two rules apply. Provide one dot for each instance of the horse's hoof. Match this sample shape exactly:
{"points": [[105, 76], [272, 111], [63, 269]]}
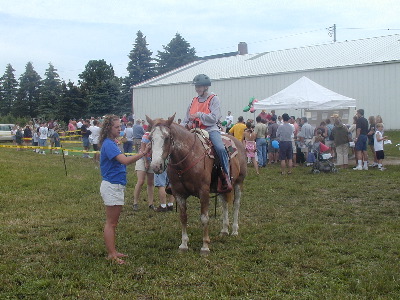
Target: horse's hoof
{"points": [[183, 249], [204, 251], [224, 233], [235, 233]]}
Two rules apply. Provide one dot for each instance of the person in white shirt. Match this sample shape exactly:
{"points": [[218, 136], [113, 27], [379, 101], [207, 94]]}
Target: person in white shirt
{"points": [[229, 121], [94, 138], [79, 124], [43, 132]]}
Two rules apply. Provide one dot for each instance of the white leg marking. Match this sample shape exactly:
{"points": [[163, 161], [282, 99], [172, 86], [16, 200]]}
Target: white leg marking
{"points": [[225, 215], [236, 207]]}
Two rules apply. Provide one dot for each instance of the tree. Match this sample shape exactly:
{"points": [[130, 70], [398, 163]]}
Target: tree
{"points": [[50, 94], [100, 87], [28, 94], [8, 90], [176, 54], [140, 68], [72, 103]]}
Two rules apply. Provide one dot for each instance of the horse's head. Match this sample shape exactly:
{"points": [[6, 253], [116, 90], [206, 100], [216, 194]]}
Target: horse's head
{"points": [[161, 141]]}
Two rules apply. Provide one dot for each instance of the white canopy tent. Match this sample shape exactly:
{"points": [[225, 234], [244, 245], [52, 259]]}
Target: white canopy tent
{"points": [[306, 94]]}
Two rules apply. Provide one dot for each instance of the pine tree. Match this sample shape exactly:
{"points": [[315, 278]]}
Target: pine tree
{"points": [[140, 68], [8, 91], [101, 88], [50, 94], [176, 54], [28, 94]]}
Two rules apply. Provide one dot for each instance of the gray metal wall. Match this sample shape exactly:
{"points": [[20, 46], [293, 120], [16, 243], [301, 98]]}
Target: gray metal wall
{"points": [[375, 87]]}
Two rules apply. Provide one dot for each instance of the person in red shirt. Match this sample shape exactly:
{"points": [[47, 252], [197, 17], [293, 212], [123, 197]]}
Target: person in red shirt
{"points": [[265, 116]]}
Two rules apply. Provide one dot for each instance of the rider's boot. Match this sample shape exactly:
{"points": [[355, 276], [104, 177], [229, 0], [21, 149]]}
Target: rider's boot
{"points": [[224, 184]]}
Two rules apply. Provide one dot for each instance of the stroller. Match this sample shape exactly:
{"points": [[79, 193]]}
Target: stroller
{"points": [[322, 162]]}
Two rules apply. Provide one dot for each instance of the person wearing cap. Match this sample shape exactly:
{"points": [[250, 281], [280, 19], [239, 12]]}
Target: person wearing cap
{"points": [[204, 112]]}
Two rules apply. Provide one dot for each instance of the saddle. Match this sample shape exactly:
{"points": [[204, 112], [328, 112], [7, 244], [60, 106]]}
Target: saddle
{"points": [[204, 137]]}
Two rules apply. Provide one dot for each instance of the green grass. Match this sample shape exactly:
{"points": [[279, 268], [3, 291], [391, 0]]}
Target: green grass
{"points": [[304, 236]]}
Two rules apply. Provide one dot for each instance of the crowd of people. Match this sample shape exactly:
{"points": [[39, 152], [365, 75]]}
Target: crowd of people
{"points": [[289, 140]]}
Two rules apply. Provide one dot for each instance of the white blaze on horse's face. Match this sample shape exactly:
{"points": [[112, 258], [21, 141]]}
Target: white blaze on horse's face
{"points": [[159, 137]]}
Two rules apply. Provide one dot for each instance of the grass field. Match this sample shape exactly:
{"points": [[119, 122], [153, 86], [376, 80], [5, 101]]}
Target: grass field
{"points": [[303, 236]]}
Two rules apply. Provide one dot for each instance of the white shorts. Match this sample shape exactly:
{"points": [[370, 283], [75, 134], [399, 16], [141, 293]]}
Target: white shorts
{"points": [[139, 166], [112, 194]]}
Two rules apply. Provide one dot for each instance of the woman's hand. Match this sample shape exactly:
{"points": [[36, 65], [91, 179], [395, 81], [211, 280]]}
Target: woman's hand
{"points": [[147, 148]]}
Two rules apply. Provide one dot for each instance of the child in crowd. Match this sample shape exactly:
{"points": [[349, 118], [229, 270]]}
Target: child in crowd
{"points": [[249, 142], [113, 171], [378, 144]]}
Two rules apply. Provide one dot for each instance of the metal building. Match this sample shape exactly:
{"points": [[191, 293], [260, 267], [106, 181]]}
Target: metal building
{"points": [[367, 70]]}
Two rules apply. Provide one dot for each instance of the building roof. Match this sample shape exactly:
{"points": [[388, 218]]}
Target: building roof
{"points": [[333, 55]]}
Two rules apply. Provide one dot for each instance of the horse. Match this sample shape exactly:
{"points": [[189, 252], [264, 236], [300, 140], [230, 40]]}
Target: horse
{"points": [[189, 168]]}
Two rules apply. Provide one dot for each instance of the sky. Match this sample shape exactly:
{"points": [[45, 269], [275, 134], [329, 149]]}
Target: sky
{"points": [[69, 34]]}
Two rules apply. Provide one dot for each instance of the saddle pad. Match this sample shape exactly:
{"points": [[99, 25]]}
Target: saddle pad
{"points": [[228, 143], [200, 132]]}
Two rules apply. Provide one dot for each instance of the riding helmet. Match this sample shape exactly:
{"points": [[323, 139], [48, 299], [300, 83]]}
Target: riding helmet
{"points": [[202, 80]]}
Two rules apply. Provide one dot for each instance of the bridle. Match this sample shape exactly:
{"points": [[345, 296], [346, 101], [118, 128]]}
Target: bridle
{"points": [[168, 160]]}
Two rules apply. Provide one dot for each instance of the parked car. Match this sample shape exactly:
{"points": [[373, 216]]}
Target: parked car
{"points": [[5, 132]]}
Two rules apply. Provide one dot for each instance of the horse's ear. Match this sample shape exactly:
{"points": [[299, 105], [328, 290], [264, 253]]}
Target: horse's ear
{"points": [[171, 119], [150, 121]]}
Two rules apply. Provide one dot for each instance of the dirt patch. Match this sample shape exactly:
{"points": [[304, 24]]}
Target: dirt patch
{"points": [[391, 161]]}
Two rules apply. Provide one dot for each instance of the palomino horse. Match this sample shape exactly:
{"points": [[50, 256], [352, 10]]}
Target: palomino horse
{"points": [[190, 171]]}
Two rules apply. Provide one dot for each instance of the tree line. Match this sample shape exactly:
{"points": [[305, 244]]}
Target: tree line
{"points": [[98, 91]]}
